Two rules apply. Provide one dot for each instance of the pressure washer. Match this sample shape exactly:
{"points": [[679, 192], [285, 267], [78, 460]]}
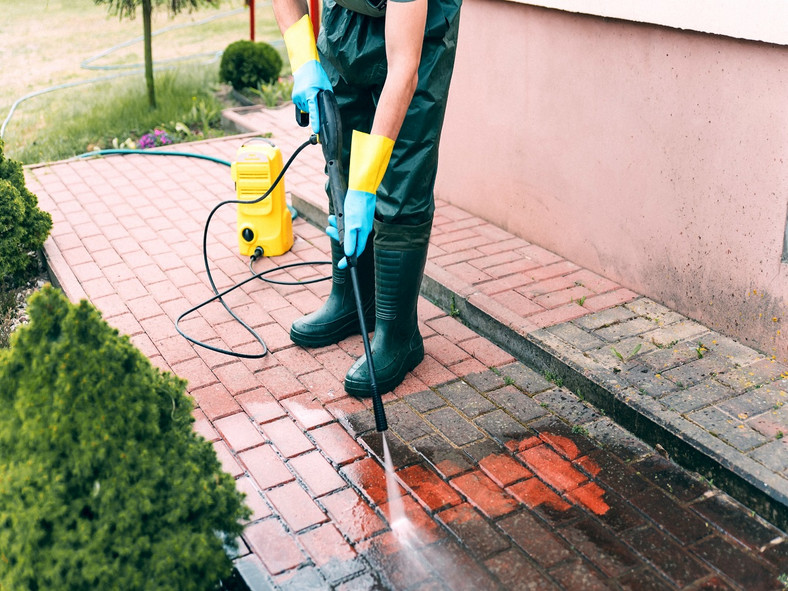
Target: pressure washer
{"points": [[265, 224]]}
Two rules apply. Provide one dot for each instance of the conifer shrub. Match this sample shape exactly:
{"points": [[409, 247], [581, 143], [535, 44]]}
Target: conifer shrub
{"points": [[104, 484], [23, 226], [247, 64]]}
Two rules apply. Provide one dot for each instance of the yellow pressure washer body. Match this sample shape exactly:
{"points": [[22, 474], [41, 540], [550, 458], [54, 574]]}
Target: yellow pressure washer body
{"points": [[267, 223]]}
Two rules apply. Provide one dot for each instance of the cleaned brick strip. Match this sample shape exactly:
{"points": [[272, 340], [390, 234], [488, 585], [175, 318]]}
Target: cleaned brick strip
{"points": [[325, 543], [337, 444], [429, 488], [287, 437], [484, 494], [319, 476], [239, 432], [354, 517], [551, 468], [503, 469]]}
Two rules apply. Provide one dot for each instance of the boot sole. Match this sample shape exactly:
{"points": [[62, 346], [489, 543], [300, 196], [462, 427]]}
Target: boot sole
{"points": [[359, 389]]}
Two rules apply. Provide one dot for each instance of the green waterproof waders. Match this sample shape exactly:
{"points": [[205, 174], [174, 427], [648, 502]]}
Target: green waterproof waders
{"points": [[352, 51]]}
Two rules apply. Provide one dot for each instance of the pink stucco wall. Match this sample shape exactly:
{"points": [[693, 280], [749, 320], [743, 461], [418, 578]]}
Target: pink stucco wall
{"points": [[655, 157]]}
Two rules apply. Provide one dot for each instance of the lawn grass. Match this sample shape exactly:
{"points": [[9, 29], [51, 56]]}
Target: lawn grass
{"points": [[118, 111], [45, 43]]}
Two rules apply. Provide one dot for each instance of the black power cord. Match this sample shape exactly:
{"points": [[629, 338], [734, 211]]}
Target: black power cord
{"points": [[220, 295]]}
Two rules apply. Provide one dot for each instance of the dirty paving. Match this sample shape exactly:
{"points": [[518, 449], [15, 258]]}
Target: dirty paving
{"points": [[504, 487], [508, 480]]}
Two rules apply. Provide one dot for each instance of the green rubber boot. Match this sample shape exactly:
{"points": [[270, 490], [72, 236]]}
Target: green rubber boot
{"points": [[337, 318], [397, 346]]}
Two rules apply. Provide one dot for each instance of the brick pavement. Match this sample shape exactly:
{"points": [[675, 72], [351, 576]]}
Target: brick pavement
{"points": [[714, 404], [511, 479]]}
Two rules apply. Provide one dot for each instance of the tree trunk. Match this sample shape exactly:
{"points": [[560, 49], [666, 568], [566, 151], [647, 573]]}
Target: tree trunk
{"points": [[147, 34]]}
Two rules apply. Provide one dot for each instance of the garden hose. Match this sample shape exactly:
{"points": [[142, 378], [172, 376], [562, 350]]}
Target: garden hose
{"points": [[111, 151]]}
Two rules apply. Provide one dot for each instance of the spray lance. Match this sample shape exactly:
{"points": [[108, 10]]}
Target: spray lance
{"points": [[330, 139]]}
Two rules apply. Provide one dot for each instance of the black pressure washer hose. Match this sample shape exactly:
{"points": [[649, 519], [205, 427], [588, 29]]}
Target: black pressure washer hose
{"points": [[261, 275], [331, 142]]}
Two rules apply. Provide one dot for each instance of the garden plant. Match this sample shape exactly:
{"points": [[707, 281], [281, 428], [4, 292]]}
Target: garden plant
{"points": [[104, 484], [23, 226], [247, 64]]}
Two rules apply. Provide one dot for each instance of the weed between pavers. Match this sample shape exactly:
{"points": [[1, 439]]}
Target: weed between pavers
{"points": [[554, 378], [453, 311], [628, 357]]}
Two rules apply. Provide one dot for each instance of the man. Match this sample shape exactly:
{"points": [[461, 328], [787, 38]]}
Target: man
{"points": [[389, 66]]}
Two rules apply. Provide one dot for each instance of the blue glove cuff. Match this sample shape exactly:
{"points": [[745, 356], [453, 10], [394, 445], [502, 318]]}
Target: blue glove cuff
{"points": [[359, 215], [308, 80]]}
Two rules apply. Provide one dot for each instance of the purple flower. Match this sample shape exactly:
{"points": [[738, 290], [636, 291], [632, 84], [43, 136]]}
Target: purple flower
{"points": [[159, 137], [147, 141]]}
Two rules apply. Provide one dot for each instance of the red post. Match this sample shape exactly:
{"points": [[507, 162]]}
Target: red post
{"points": [[314, 14], [251, 19]]}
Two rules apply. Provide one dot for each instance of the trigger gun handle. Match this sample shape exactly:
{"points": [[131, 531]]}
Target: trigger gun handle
{"points": [[331, 141], [302, 117]]}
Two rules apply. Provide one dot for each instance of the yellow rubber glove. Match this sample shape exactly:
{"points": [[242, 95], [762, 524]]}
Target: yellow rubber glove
{"points": [[309, 77], [369, 158]]}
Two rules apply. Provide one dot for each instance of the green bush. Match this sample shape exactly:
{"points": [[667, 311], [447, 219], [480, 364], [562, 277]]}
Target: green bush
{"points": [[246, 64], [104, 484], [23, 226]]}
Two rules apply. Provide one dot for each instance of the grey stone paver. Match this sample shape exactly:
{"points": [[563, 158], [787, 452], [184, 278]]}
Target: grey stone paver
{"points": [[649, 382], [698, 396], [604, 318], [485, 381], [502, 427], [697, 370], [577, 336], [621, 330], [449, 422], [425, 401], [465, 398], [517, 404], [405, 422], [752, 403], [525, 378], [565, 404], [773, 455], [732, 431]]}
